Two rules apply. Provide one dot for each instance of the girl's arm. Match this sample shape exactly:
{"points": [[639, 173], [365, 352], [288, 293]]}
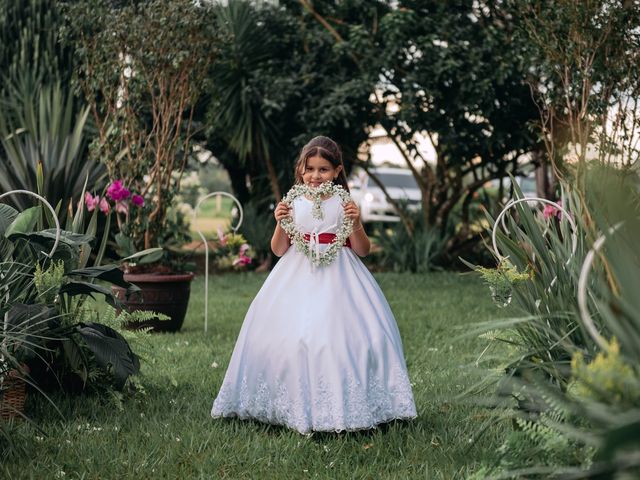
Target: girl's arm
{"points": [[280, 240], [359, 241]]}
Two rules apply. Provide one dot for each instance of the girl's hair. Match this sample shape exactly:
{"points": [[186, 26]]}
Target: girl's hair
{"points": [[329, 150]]}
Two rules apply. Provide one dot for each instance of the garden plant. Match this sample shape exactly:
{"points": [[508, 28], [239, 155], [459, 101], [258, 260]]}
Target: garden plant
{"points": [[519, 316]]}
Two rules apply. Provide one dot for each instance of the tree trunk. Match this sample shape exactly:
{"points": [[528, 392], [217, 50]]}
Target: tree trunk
{"points": [[238, 177], [542, 173], [273, 178]]}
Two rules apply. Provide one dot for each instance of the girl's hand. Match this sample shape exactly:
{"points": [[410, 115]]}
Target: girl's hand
{"points": [[282, 211], [352, 211]]}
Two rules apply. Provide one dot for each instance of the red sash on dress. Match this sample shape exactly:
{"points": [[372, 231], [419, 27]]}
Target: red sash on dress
{"points": [[326, 238]]}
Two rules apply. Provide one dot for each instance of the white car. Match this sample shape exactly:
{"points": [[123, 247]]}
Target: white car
{"points": [[374, 207]]}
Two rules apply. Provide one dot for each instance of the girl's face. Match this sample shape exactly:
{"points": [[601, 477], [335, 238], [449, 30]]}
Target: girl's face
{"points": [[319, 170]]}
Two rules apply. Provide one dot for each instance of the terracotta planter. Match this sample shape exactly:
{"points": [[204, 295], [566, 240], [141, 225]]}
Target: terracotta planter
{"points": [[162, 293]]}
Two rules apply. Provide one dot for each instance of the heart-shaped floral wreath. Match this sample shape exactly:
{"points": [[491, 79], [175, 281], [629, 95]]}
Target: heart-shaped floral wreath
{"points": [[316, 195]]}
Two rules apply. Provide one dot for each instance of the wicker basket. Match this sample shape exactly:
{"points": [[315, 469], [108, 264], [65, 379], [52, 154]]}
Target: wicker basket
{"points": [[13, 393]]}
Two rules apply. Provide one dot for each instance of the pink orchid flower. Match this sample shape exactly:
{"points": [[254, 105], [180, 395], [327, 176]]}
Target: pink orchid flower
{"points": [[122, 207], [90, 201], [243, 249], [551, 211], [104, 206], [242, 260]]}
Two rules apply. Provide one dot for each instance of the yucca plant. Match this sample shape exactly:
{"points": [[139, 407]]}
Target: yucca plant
{"points": [[549, 252], [44, 127], [590, 350], [40, 121]]}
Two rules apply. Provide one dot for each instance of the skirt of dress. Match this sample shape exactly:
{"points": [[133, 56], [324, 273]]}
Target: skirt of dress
{"points": [[319, 350]]}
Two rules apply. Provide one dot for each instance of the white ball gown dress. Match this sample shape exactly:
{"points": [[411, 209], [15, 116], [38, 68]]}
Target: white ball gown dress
{"points": [[319, 349]]}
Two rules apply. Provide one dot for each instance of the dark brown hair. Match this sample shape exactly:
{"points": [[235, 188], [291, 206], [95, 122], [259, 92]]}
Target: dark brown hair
{"points": [[329, 150]]}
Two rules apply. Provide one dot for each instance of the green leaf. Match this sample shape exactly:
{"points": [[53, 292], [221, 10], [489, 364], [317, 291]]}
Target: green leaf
{"points": [[78, 219], [125, 244], [111, 351], [6, 250], [85, 288], [7, 216], [33, 245], [70, 238], [103, 243], [149, 255], [24, 222], [108, 273], [76, 358]]}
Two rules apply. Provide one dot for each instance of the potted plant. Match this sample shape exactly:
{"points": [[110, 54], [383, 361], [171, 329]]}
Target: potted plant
{"points": [[142, 68], [161, 276], [231, 252], [50, 337]]}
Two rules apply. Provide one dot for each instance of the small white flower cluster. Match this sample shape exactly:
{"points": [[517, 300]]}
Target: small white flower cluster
{"points": [[190, 180], [316, 195]]}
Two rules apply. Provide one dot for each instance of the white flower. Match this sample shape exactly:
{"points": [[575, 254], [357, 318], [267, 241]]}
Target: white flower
{"points": [[327, 189], [191, 180]]}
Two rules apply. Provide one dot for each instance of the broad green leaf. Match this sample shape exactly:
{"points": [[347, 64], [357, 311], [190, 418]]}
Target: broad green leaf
{"points": [[82, 288], [24, 222], [111, 351], [149, 255], [107, 273]]}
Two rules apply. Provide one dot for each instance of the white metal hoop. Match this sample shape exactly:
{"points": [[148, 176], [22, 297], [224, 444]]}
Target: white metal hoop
{"points": [[582, 288], [206, 245], [224, 194], [512, 203]]}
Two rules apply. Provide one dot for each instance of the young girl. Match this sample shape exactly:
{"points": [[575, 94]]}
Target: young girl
{"points": [[319, 349]]}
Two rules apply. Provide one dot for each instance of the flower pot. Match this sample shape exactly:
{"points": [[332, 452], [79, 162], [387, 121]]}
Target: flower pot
{"points": [[161, 293], [13, 393]]}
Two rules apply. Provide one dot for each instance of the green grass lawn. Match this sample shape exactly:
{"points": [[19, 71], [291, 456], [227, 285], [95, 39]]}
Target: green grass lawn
{"points": [[167, 431]]}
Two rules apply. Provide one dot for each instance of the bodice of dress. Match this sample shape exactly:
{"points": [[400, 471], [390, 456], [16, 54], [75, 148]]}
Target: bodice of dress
{"points": [[332, 215]]}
